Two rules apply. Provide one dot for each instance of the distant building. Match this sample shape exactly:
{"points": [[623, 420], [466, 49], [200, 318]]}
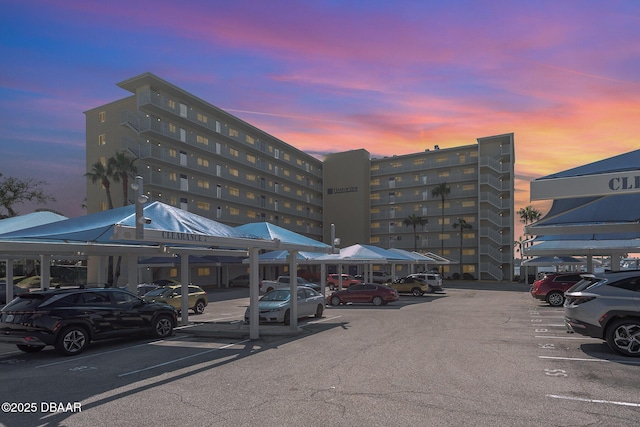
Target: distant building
{"points": [[200, 158]]}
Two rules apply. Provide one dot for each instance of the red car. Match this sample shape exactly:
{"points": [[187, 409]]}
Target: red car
{"points": [[347, 280], [551, 287], [365, 293]]}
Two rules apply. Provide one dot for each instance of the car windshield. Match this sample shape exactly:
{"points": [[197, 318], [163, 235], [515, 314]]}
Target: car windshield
{"points": [[277, 295]]}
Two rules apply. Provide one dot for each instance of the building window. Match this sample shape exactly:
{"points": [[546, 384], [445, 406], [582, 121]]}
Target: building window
{"points": [[203, 162], [276, 153], [233, 133], [251, 158], [202, 118], [102, 139], [418, 162], [183, 110], [469, 171], [203, 184], [249, 139], [441, 159], [173, 176], [202, 140], [468, 203], [233, 172], [468, 187], [173, 152], [102, 116], [443, 174], [234, 192], [286, 156], [204, 271], [234, 152], [204, 206], [234, 211]]}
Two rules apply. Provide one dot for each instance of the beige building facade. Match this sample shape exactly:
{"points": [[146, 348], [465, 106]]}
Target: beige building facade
{"points": [[200, 158]]}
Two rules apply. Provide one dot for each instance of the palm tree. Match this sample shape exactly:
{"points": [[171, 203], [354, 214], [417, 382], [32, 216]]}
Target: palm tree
{"points": [[121, 167], [529, 215], [441, 191], [463, 225], [414, 221], [519, 245], [100, 173]]}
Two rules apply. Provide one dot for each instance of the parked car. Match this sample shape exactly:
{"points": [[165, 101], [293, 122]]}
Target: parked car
{"points": [[275, 305], [552, 286], [365, 293], [166, 282], [172, 295], [241, 280], [283, 282], [69, 319], [347, 280], [17, 290], [376, 277], [433, 280], [143, 288], [413, 285], [607, 306], [33, 283]]}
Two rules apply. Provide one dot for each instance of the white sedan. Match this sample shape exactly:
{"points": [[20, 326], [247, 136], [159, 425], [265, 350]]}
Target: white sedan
{"points": [[274, 306]]}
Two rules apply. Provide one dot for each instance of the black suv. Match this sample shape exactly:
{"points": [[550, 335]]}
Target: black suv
{"points": [[70, 318]]}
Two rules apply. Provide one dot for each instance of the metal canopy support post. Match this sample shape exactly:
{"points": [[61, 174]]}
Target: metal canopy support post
{"points": [[323, 278], [293, 286], [184, 280], [132, 273], [45, 271], [254, 279], [9, 279]]}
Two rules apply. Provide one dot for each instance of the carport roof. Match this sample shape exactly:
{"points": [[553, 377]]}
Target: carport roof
{"points": [[21, 222]]}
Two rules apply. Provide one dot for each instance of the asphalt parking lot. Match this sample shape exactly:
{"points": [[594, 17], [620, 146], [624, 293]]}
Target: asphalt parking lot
{"points": [[482, 354]]}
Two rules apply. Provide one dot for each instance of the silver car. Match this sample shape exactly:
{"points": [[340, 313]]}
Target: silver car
{"points": [[274, 306], [607, 307]]}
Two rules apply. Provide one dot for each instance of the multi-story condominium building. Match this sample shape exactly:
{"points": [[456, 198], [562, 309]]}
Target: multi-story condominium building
{"points": [[474, 226], [196, 156]]}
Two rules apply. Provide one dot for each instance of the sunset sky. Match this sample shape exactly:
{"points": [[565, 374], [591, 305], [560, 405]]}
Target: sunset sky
{"points": [[392, 76]]}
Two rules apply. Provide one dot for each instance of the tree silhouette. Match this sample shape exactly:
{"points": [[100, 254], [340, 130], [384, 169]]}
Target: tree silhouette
{"points": [[415, 221]]}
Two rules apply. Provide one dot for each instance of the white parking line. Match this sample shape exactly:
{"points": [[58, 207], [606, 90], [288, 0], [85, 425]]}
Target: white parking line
{"points": [[567, 338], [326, 319], [182, 358], [578, 359], [579, 399]]}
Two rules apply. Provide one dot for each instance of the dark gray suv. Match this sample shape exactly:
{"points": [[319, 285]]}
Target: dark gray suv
{"points": [[607, 306]]}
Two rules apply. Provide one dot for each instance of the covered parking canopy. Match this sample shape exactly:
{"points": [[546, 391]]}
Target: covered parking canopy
{"points": [[366, 255], [595, 210], [165, 230]]}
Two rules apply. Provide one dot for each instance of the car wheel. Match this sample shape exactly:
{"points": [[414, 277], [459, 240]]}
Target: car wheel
{"points": [[555, 299], [376, 300], [72, 340], [319, 311], [30, 348], [199, 307], [287, 317], [417, 292], [335, 301], [623, 337], [162, 327]]}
